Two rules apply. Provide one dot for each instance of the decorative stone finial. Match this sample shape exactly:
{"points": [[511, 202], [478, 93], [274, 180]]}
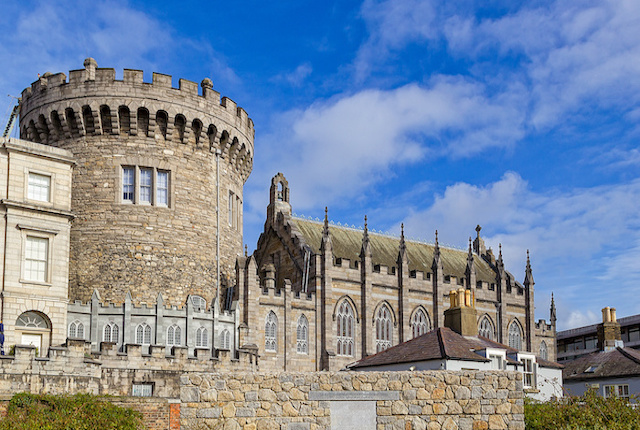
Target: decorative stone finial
{"points": [[206, 83]]}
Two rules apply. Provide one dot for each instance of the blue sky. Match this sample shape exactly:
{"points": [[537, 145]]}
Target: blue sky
{"points": [[518, 116]]}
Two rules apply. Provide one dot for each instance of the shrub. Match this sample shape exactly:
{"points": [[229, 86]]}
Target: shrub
{"points": [[78, 412], [588, 412]]}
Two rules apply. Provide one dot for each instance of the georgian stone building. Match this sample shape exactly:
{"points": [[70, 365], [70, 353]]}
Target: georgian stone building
{"points": [[317, 296], [123, 226]]}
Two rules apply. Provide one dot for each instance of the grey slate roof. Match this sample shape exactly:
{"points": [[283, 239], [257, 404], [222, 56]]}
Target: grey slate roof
{"points": [[618, 362], [347, 243], [438, 344]]}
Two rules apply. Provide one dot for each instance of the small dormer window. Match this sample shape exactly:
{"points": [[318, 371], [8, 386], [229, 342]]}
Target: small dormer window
{"points": [[591, 369]]}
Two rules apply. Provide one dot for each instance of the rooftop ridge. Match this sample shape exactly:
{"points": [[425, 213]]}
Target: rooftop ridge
{"points": [[386, 234]]}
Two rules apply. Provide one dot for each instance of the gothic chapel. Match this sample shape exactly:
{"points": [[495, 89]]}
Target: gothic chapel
{"points": [[315, 296]]}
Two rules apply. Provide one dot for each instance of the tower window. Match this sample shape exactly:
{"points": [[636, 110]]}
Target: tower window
{"points": [[302, 335], [145, 185]]}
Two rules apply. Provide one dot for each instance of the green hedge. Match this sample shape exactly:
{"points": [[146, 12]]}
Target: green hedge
{"points": [[79, 412], [589, 412]]}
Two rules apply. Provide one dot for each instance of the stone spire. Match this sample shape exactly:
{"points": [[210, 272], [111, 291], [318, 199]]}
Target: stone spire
{"points": [[403, 245], [552, 312], [436, 248], [366, 248], [500, 262], [528, 275], [470, 271], [326, 237]]}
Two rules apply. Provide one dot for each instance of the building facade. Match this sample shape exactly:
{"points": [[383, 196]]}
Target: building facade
{"points": [[35, 203], [315, 296], [142, 241]]}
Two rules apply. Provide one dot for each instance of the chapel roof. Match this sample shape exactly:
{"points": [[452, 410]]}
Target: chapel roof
{"points": [[347, 242]]}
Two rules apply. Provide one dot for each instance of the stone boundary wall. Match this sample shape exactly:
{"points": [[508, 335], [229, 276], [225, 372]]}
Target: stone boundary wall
{"points": [[429, 400]]}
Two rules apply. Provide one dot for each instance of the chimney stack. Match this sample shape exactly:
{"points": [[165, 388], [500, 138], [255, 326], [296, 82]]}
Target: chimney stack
{"points": [[461, 316], [609, 336]]}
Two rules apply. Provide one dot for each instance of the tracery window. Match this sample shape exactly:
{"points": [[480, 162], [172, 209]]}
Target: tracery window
{"points": [[302, 335], [544, 353], [345, 326], [111, 332], [76, 330], [225, 339], [173, 336], [271, 332], [202, 337], [485, 328], [383, 328], [420, 323], [143, 334], [515, 336]]}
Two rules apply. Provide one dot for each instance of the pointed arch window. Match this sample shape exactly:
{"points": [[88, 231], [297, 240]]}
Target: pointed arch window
{"points": [[485, 328], [143, 334], [384, 332], [420, 323], [515, 336], [345, 325], [544, 352], [202, 337], [271, 332], [111, 332], [76, 330], [173, 336], [302, 335]]}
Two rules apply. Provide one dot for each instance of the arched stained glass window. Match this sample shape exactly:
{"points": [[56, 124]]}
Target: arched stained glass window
{"points": [[515, 336], [384, 325], [345, 320], [271, 332], [544, 353], [302, 335], [420, 323], [485, 328]]}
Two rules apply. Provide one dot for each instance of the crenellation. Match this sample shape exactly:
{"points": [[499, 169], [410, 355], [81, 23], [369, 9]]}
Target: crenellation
{"points": [[188, 87], [133, 77], [105, 75], [161, 80]]}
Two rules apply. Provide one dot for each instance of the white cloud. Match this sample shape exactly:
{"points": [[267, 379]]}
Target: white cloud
{"points": [[393, 24], [296, 77], [357, 139], [51, 36], [578, 56], [577, 318], [559, 227]]}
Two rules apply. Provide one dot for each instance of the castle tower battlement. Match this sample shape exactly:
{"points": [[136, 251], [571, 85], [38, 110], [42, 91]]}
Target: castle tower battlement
{"points": [[158, 182]]}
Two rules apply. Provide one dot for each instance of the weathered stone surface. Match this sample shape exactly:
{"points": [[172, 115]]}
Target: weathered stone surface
{"points": [[425, 404]]}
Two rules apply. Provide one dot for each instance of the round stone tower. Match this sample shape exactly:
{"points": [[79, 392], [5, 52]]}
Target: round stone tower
{"points": [[157, 189]]}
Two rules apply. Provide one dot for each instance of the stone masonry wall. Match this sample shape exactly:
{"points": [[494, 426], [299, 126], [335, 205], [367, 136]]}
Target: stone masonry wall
{"points": [[143, 243], [432, 400]]}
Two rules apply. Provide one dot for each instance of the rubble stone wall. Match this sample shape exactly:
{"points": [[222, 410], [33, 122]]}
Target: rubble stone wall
{"points": [[433, 400]]}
